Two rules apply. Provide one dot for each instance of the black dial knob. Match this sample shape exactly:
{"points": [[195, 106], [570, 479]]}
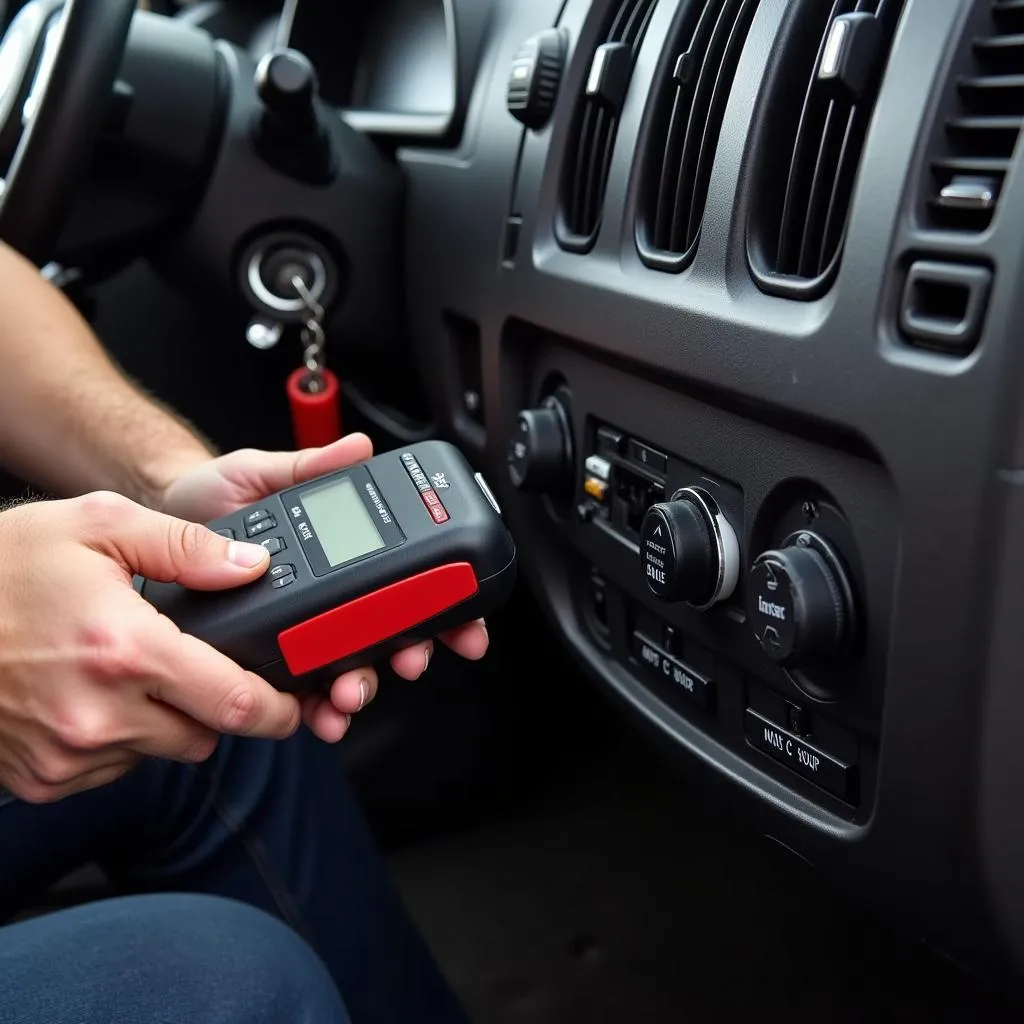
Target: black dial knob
{"points": [[287, 84], [535, 77], [540, 450], [289, 133], [801, 603], [689, 550]]}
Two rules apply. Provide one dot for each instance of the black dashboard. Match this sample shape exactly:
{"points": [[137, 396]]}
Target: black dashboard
{"points": [[775, 264], [729, 313]]}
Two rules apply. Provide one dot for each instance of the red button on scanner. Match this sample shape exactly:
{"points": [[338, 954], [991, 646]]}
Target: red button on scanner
{"points": [[375, 617], [434, 506]]}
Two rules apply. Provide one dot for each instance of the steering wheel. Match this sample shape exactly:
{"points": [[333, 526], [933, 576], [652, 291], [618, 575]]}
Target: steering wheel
{"points": [[58, 65]]}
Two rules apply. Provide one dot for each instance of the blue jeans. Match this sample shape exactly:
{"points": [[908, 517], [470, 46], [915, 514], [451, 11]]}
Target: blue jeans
{"points": [[149, 959], [271, 824]]}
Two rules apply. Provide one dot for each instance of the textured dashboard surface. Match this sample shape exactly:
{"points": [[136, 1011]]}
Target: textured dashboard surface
{"points": [[759, 389]]}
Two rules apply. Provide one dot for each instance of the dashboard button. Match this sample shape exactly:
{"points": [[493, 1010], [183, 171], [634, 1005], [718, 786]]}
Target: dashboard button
{"points": [[273, 544], [824, 770], [670, 670], [597, 489], [226, 532], [256, 516], [649, 457], [599, 467], [609, 441]]}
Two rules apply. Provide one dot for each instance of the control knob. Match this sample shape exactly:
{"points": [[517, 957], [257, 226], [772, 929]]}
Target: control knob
{"points": [[540, 450], [801, 602], [689, 550], [286, 82], [290, 133], [535, 77]]}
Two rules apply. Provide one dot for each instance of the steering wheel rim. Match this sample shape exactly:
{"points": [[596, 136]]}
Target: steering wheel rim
{"points": [[70, 105]]}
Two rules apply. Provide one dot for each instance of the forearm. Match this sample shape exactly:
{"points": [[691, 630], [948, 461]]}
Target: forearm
{"points": [[70, 421]]}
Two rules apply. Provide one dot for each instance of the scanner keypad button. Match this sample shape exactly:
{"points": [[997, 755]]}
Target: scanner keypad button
{"points": [[260, 526], [281, 575]]}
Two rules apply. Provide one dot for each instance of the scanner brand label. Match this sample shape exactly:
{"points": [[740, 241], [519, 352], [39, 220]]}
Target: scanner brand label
{"points": [[382, 509], [303, 528]]}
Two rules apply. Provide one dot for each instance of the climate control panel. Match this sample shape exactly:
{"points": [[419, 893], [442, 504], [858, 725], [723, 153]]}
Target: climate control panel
{"points": [[740, 611]]}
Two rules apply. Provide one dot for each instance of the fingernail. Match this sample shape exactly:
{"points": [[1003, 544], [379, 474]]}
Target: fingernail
{"points": [[364, 690], [426, 659], [348, 724], [248, 556]]}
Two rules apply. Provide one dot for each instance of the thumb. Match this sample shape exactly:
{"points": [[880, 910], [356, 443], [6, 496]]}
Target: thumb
{"points": [[161, 547]]}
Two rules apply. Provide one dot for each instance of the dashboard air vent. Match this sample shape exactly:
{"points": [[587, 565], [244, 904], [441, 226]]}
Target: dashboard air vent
{"points": [[825, 86], [982, 120], [691, 92], [592, 138]]}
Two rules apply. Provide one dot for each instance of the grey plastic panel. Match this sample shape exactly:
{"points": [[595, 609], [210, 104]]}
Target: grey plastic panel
{"points": [[943, 846]]}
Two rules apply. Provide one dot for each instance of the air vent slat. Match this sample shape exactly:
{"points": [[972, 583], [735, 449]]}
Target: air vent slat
{"points": [[1009, 15], [1000, 55], [736, 25], [708, 31], [842, 188], [602, 163], [666, 233], [998, 94], [581, 166], [804, 160], [981, 122], [588, 163], [971, 165], [823, 184], [691, 94], [591, 142], [823, 93]]}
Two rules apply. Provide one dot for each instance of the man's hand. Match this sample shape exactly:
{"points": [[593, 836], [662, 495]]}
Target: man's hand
{"points": [[92, 678], [220, 486]]}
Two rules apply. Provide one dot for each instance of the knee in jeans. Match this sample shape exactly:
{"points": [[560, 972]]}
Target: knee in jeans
{"points": [[255, 967], [200, 959]]}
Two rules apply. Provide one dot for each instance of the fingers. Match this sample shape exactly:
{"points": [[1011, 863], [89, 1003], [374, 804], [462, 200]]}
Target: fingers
{"points": [[34, 789], [212, 689], [351, 692], [412, 662], [268, 472], [323, 719], [329, 716], [469, 641], [159, 730], [347, 451], [163, 548]]}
